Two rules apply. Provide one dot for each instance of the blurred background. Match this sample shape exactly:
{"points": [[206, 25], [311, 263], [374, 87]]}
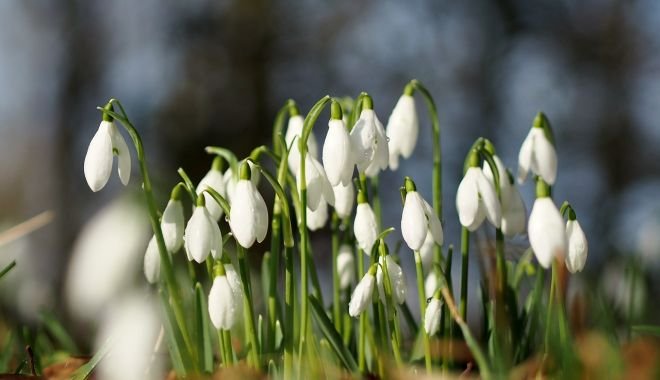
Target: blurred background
{"points": [[198, 73]]}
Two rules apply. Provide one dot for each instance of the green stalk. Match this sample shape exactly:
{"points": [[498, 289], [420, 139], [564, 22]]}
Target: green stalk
{"points": [[289, 313], [465, 249], [167, 269], [362, 362], [422, 310], [551, 301], [253, 356], [226, 338], [376, 201], [393, 320], [336, 307]]}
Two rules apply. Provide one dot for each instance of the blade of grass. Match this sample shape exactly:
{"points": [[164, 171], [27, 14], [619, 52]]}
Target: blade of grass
{"points": [[203, 333], [333, 337], [6, 269], [174, 340], [85, 370], [57, 331]]}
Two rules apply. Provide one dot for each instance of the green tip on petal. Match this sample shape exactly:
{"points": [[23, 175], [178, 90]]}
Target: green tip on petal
{"points": [[367, 102], [473, 158], [244, 171], [361, 197], [409, 89], [542, 188], [489, 147], [219, 269], [542, 121], [571, 213], [293, 108], [108, 107], [175, 195], [373, 269], [539, 120], [218, 164], [335, 110], [382, 248], [409, 184], [201, 201]]}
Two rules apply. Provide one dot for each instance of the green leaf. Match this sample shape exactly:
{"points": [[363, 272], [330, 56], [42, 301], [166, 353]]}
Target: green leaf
{"points": [[174, 340], [57, 331], [6, 269], [85, 370], [273, 373], [333, 337], [203, 334]]}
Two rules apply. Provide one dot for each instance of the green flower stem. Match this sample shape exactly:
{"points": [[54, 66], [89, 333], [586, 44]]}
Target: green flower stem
{"points": [[422, 310], [551, 301], [278, 126], [336, 307], [253, 355], [437, 148], [465, 249], [302, 228], [166, 264], [376, 201], [226, 337], [289, 311], [362, 333], [393, 319]]}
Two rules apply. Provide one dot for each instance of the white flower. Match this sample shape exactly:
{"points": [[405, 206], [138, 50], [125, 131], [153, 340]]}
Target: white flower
{"points": [[432, 316], [397, 279], [476, 199], [294, 132], [202, 235], [345, 266], [577, 246], [231, 180], [431, 284], [98, 162], [235, 283], [224, 308], [249, 216], [172, 225], [214, 179], [538, 155], [344, 198], [547, 234], [514, 214], [318, 186], [417, 219], [316, 219], [427, 251], [129, 330], [361, 297], [152, 262], [402, 130], [337, 154], [369, 144], [365, 227]]}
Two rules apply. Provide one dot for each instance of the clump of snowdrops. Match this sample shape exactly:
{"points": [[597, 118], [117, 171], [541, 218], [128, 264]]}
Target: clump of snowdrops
{"points": [[213, 318]]}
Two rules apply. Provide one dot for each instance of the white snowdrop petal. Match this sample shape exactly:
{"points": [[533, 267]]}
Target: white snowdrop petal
{"points": [[216, 247], [236, 286], [363, 140], [467, 200], [98, 160], [345, 266], [431, 284], [427, 251], [123, 155], [199, 234], [215, 180], [546, 231], [361, 297], [316, 219], [435, 227], [578, 247], [337, 156], [223, 308], [152, 262], [261, 215], [413, 221], [514, 213], [489, 199], [365, 227], [172, 225], [545, 158], [344, 198], [525, 157], [242, 218], [432, 316]]}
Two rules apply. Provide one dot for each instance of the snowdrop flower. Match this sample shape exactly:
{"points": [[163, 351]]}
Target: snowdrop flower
{"points": [[365, 227], [231, 180], [202, 235], [224, 307], [344, 198], [337, 154], [431, 284], [537, 152], [316, 219], [248, 218], [397, 279], [172, 222], [514, 214], [130, 330], [294, 131], [369, 143], [214, 179], [235, 283], [577, 244], [361, 297], [345, 266], [106, 143], [427, 251], [547, 234], [432, 316], [152, 262], [402, 128], [418, 218], [318, 186], [476, 198]]}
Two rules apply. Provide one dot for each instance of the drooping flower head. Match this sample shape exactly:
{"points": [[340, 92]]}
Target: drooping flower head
{"points": [[365, 227], [369, 142], [402, 128], [106, 143], [396, 276], [546, 230], [432, 316], [361, 297], [231, 179], [172, 223], [476, 198], [317, 184], [418, 218], [224, 303], [537, 152], [318, 218], [337, 152], [578, 248], [202, 235], [345, 266], [248, 218], [152, 262], [294, 132], [344, 199], [214, 179]]}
